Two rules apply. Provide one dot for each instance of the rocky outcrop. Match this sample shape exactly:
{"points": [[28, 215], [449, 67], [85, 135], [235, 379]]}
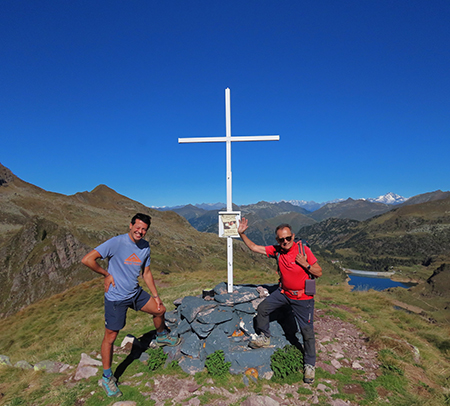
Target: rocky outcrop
{"points": [[40, 260], [439, 282], [6, 176]]}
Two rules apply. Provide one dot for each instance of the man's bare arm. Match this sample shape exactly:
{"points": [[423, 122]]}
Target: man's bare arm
{"points": [[314, 269], [243, 226], [90, 260]]}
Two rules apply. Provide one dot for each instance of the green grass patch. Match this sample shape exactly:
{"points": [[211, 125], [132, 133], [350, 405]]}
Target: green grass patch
{"points": [[286, 361], [216, 365]]}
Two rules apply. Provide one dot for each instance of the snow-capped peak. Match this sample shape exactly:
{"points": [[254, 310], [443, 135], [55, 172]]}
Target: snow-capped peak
{"points": [[388, 198]]}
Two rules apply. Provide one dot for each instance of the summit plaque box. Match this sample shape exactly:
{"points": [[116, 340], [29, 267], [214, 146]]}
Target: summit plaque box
{"points": [[229, 223]]}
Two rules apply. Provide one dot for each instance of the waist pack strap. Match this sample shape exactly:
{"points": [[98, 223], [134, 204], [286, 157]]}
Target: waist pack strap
{"points": [[297, 293]]}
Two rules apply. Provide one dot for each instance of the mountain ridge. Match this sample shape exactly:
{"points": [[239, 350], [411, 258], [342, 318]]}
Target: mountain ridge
{"points": [[265, 216], [44, 235], [388, 198]]}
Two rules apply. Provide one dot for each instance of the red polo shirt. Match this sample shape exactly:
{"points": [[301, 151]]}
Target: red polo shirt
{"points": [[293, 276]]}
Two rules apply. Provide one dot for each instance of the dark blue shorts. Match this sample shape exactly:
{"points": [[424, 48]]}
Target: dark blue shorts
{"points": [[116, 311]]}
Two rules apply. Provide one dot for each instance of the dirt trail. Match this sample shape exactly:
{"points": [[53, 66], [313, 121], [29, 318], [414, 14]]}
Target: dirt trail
{"points": [[339, 344]]}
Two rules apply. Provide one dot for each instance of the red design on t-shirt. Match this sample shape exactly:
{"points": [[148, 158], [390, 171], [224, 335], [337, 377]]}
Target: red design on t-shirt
{"points": [[133, 259]]}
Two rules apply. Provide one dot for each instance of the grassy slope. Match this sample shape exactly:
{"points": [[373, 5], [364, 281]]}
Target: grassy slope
{"points": [[62, 327]]}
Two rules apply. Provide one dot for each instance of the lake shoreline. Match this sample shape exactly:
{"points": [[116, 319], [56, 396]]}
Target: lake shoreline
{"points": [[389, 275]]}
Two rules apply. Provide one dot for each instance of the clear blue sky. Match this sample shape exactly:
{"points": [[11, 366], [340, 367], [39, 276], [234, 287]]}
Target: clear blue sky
{"points": [[98, 92]]}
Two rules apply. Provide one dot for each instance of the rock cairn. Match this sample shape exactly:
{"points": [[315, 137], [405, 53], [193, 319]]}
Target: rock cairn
{"points": [[219, 320]]}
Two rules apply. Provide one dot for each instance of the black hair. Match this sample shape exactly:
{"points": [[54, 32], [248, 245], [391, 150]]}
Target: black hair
{"points": [[143, 217]]}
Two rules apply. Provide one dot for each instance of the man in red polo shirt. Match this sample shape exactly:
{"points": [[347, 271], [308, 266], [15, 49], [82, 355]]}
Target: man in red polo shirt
{"points": [[295, 266]]}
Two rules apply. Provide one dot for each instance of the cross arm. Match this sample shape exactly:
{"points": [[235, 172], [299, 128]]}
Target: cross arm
{"points": [[224, 139]]}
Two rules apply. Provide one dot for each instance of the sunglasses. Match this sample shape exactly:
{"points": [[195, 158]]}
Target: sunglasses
{"points": [[281, 240]]}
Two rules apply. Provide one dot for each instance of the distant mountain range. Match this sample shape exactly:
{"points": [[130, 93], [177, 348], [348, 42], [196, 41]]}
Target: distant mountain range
{"points": [[204, 206], [265, 216], [388, 198], [410, 233]]}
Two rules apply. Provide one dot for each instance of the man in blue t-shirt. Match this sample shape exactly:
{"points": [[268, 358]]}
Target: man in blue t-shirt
{"points": [[128, 255]]}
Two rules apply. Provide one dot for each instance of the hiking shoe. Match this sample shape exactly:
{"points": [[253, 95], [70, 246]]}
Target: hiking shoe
{"points": [[110, 386], [167, 340], [260, 341], [309, 374]]}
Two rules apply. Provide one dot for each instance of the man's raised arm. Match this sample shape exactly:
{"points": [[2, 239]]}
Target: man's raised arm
{"points": [[243, 226]]}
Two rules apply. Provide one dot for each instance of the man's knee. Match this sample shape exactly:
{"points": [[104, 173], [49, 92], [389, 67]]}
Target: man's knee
{"points": [[161, 311], [263, 308], [307, 332], [110, 336], [152, 308]]}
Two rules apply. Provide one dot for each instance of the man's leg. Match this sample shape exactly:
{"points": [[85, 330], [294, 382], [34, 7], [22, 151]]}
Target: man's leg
{"points": [[151, 307], [267, 306], [108, 348], [109, 382], [115, 319], [304, 314], [162, 334], [262, 319]]}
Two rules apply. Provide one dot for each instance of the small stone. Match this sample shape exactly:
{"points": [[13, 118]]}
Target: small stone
{"points": [[48, 366], [23, 365], [336, 363], [85, 372], [64, 368], [338, 402], [191, 346], [87, 360], [357, 365], [256, 400], [128, 339], [144, 357], [322, 387], [191, 365], [4, 360]]}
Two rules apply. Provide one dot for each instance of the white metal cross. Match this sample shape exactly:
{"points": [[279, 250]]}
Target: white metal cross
{"points": [[228, 139]]}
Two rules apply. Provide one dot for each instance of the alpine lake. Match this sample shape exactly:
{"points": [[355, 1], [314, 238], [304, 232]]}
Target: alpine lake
{"points": [[365, 280]]}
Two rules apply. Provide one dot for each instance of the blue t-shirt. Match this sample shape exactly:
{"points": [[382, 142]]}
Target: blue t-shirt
{"points": [[126, 260]]}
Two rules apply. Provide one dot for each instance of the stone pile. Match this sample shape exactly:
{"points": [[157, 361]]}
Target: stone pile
{"points": [[224, 321]]}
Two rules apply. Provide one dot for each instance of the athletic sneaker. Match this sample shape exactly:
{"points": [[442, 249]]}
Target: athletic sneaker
{"points": [[167, 340], [309, 374], [110, 386], [260, 341]]}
